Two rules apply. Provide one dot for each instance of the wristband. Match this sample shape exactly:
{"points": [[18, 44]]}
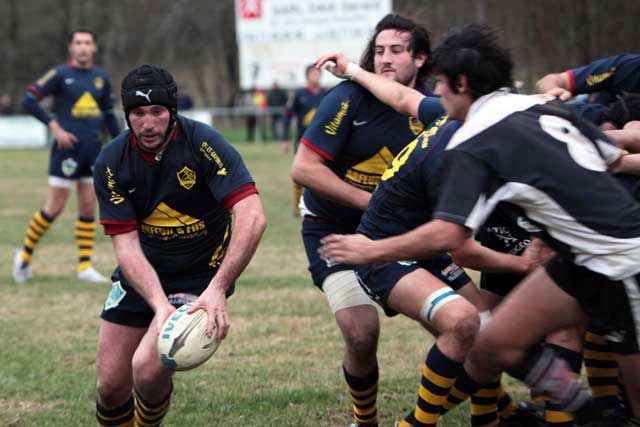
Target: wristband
{"points": [[352, 70]]}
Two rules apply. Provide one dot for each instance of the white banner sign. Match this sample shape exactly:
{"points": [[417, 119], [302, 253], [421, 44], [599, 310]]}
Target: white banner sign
{"points": [[22, 131], [277, 39]]}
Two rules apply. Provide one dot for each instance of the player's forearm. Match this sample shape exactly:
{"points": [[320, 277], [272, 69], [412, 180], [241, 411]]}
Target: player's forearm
{"points": [[629, 165], [31, 105], [401, 98], [138, 271], [248, 226], [322, 181], [477, 257], [424, 242]]}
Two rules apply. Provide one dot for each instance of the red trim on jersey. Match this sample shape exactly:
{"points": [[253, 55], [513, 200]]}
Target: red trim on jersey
{"points": [[148, 156], [115, 226], [34, 91], [572, 81], [238, 194], [317, 150]]}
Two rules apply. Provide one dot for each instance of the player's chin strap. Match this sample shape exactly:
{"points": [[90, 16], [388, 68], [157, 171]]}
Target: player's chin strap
{"points": [[436, 301]]}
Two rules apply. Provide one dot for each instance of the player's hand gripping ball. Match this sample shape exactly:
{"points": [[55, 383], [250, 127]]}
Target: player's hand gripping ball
{"points": [[183, 343]]}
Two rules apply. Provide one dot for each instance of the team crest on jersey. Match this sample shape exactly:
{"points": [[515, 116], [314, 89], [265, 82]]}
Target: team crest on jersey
{"points": [[69, 166], [98, 82], [415, 125], [186, 177]]}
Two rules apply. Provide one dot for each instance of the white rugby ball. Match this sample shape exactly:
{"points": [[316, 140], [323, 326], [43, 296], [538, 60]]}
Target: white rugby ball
{"points": [[183, 343]]}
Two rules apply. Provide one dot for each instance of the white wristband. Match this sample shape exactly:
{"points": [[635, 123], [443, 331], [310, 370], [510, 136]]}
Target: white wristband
{"points": [[352, 70]]}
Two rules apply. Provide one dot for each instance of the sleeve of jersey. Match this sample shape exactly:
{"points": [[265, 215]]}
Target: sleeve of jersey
{"points": [[462, 198], [117, 215], [227, 176], [429, 109], [618, 73], [43, 87], [110, 118], [331, 126]]}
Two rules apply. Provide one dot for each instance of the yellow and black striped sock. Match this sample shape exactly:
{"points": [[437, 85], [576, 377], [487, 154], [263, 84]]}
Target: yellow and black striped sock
{"points": [[506, 405], [602, 371], [364, 394], [553, 414], [85, 240], [150, 414], [39, 225], [484, 405], [438, 375], [118, 417], [462, 388]]}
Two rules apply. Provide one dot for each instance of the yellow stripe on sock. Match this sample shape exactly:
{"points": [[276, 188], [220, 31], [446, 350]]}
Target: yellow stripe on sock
{"points": [[85, 252], [486, 392], [598, 355], [596, 339], [30, 243], [557, 416], [41, 221], [604, 390], [85, 242], [403, 423], [363, 393], [367, 411], [602, 372], [84, 265], [363, 402], [430, 397], [104, 417], [426, 417], [458, 394], [436, 379], [88, 234], [33, 235], [483, 409], [37, 228]]}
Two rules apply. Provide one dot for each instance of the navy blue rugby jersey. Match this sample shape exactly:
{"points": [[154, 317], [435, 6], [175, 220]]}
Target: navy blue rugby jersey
{"points": [[358, 136], [543, 158], [303, 107], [615, 74], [82, 100], [179, 204], [407, 193]]}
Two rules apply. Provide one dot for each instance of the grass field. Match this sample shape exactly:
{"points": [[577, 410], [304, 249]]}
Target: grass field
{"points": [[280, 365]]}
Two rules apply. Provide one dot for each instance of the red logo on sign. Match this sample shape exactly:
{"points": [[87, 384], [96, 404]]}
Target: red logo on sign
{"points": [[251, 9]]}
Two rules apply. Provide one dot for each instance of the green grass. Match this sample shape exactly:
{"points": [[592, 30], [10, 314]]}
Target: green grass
{"points": [[280, 365]]}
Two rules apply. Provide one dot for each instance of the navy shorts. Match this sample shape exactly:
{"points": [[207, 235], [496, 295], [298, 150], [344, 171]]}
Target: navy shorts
{"points": [[125, 306], [613, 307], [378, 279], [74, 163], [314, 229]]}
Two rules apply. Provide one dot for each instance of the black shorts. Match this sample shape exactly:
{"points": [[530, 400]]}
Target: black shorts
{"points": [[378, 279], [314, 229], [74, 163], [125, 306], [500, 283], [612, 306]]}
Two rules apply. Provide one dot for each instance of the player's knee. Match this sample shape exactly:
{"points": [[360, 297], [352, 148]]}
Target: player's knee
{"points": [[113, 391], [147, 368], [465, 323], [362, 338]]}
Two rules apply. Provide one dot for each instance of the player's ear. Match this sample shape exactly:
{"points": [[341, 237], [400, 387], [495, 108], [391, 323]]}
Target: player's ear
{"points": [[419, 59], [462, 84]]}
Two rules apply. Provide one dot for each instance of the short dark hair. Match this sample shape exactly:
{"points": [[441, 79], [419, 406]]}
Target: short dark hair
{"points": [[624, 110], [419, 43], [308, 68], [474, 51], [81, 30]]}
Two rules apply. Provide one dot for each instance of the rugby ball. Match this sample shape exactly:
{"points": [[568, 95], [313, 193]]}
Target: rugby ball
{"points": [[183, 343]]}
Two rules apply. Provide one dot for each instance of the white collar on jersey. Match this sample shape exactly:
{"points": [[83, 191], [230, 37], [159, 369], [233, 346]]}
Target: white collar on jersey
{"points": [[491, 108]]}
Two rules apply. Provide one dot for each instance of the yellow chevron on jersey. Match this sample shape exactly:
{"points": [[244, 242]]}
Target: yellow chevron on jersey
{"points": [[415, 125], [164, 216], [44, 79], [367, 174], [85, 106]]}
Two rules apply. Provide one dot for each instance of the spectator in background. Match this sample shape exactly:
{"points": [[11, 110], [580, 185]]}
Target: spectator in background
{"points": [[276, 101], [303, 106], [6, 106]]}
